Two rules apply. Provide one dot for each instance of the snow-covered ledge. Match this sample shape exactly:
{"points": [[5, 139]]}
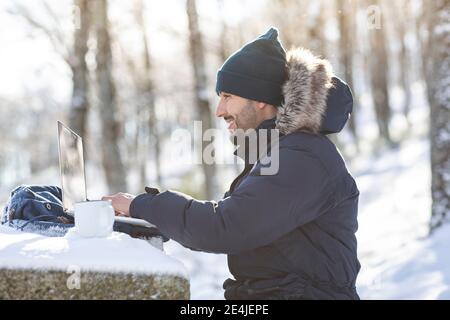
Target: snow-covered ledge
{"points": [[34, 266]]}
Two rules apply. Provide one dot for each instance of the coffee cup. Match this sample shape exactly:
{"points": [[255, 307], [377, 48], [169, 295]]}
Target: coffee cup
{"points": [[94, 218]]}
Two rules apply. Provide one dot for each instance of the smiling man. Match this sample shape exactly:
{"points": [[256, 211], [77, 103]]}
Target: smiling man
{"points": [[242, 113], [288, 235]]}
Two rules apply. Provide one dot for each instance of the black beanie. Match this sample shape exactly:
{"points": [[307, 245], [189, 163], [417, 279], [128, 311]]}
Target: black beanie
{"points": [[257, 71]]}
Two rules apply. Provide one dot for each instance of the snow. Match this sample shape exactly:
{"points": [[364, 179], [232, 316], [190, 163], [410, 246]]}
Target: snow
{"points": [[418, 270], [116, 253], [399, 260], [49, 230]]}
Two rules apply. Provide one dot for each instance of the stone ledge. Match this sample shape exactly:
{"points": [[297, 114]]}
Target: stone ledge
{"points": [[34, 266], [41, 284]]}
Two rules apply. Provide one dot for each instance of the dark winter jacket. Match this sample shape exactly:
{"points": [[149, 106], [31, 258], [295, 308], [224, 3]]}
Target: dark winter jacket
{"points": [[290, 235]]}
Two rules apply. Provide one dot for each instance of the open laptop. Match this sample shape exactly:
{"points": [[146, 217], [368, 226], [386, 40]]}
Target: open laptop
{"points": [[73, 177]]}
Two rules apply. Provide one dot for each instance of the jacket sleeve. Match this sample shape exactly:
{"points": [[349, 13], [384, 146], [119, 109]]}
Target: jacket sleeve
{"points": [[260, 210]]}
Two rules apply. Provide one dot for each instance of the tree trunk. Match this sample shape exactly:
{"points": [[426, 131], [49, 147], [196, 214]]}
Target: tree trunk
{"points": [[224, 53], [379, 67], [79, 104], [201, 99], [426, 22], [290, 17], [346, 16], [111, 158], [440, 115], [223, 48], [401, 17], [317, 42], [148, 101]]}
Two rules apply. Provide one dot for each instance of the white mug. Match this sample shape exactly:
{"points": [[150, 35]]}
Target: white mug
{"points": [[94, 218]]}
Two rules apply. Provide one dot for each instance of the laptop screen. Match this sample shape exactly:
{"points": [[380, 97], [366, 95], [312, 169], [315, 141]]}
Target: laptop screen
{"points": [[71, 164]]}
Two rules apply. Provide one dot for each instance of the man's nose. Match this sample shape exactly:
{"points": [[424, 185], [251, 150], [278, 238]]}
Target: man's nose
{"points": [[220, 110]]}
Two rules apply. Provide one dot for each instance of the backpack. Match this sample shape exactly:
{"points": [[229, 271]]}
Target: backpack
{"points": [[39, 208]]}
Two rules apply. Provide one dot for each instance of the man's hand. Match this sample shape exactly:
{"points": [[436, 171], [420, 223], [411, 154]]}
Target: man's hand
{"points": [[121, 202]]}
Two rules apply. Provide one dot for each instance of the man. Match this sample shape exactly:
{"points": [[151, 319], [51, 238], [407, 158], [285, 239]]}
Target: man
{"points": [[289, 235]]}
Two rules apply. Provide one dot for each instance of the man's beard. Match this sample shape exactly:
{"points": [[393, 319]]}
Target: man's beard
{"points": [[245, 122], [244, 137]]}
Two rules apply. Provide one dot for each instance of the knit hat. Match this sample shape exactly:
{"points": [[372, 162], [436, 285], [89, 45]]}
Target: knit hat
{"points": [[257, 71]]}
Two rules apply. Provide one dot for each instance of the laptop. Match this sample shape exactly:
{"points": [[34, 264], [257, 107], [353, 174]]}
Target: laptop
{"points": [[73, 177]]}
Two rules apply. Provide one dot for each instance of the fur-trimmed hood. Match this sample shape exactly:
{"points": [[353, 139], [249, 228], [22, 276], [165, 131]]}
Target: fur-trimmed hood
{"points": [[315, 100]]}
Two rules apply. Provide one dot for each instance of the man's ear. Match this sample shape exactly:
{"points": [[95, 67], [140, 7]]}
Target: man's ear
{"points": [[261, 105]]}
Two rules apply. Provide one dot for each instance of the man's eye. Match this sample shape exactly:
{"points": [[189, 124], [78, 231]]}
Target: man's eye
{"points": [[226, 96]]}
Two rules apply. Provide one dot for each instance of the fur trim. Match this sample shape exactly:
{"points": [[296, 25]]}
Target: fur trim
{"points": [[305, 92]]}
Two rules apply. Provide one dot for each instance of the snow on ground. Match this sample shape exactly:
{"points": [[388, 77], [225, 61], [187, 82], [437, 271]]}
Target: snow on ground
{"points": [[419, 270], [398, 260], [115, 253]]}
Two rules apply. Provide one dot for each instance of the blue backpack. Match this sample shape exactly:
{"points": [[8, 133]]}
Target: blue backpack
{"points": [[36, 203], [36, 208]]}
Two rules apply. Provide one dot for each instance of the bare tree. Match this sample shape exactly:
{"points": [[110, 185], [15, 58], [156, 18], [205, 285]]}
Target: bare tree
{"points": [[290, 16], [71, 50], [147, 94], [425, 25], [316, 29], [379, 67], [224, 52], [401, 16], [346, 21], [440, 114], [79, 104], [51, 27], [200, 90], [111, 158], [223, 47]]}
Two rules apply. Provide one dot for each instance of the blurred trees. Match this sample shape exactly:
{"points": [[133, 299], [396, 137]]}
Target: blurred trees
{"points": [[224, 50], [346, 22], [148, 135], [111, 156], [401, 17], [152, 94], [315, 28], [379, 67], [79, 104], [203, 111], [425, 25], [440, 113], [32, 110]]}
